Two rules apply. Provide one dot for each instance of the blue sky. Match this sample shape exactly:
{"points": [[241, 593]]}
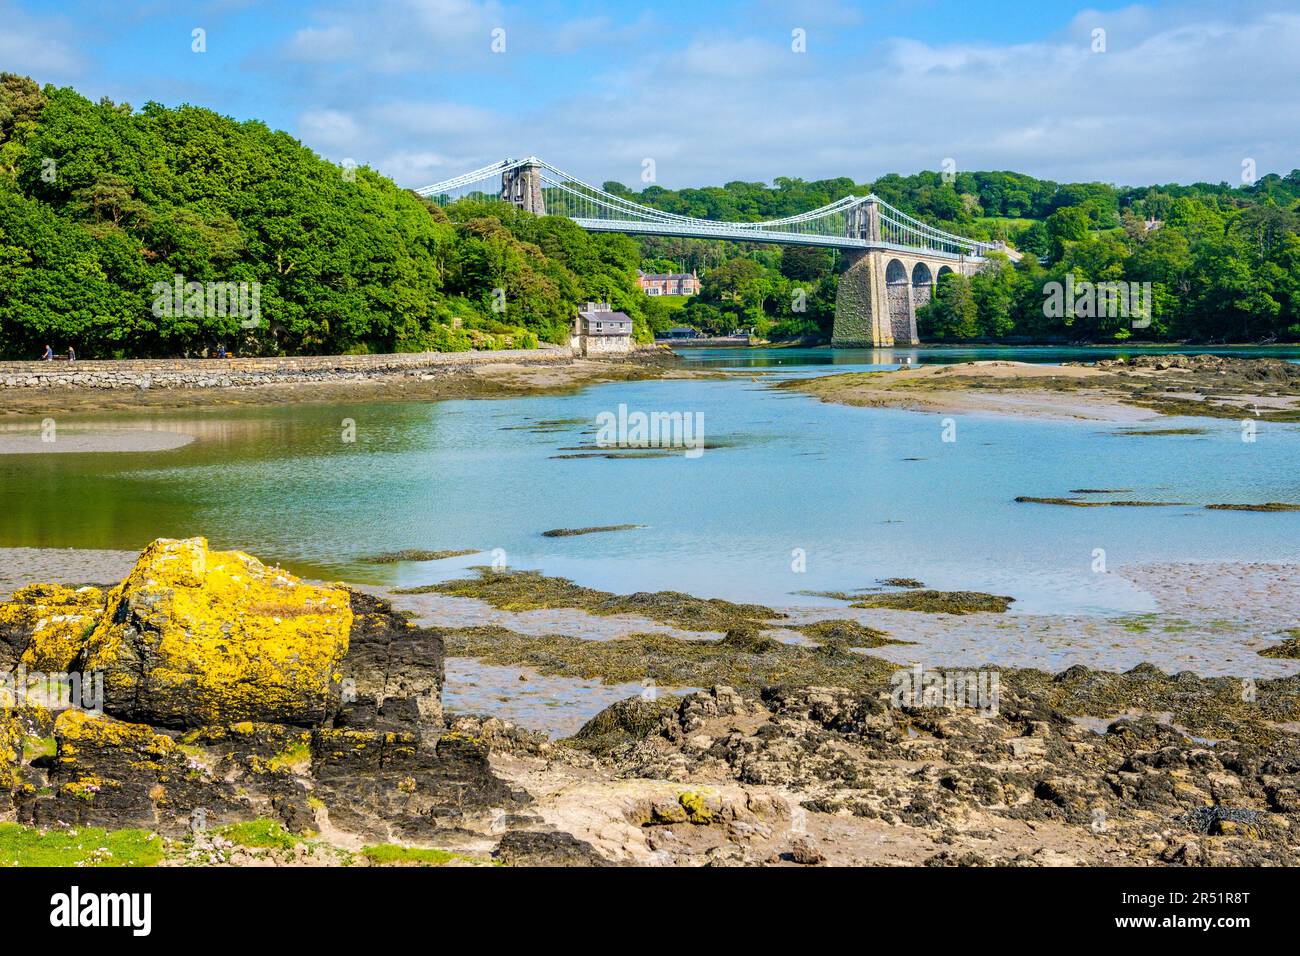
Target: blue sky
{"points": [[711, 91]]}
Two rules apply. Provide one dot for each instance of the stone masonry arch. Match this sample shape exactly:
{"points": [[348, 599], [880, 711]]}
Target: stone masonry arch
{"points": [[880, 291]]}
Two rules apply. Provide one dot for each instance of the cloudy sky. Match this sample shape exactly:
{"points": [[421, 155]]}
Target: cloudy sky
{"points": [[712, 91]]}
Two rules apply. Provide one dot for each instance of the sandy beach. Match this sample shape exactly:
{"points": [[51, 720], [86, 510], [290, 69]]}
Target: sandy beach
{"points": [[35, 441]]}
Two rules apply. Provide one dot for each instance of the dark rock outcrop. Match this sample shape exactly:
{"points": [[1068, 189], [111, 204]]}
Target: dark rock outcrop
{"points": [[547, 848]]}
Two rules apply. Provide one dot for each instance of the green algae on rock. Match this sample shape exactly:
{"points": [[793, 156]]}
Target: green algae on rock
{"points": [[741, 659], [1289, 649], [595, 529], [623, 722], [931, 601], [902, 583], [845, 634], [415, 554], [532, 591], [1267, 506]]}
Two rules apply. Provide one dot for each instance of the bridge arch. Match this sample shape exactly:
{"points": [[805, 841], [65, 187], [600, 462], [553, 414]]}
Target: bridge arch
{"points": [[922, 284], [898, 294]]}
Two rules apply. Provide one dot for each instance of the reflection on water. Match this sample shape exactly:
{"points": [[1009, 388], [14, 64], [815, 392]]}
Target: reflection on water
{"points": [[854, 494]]}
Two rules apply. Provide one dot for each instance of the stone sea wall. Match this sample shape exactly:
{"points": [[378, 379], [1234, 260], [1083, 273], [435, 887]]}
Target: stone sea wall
{"points": [[232, 372]]}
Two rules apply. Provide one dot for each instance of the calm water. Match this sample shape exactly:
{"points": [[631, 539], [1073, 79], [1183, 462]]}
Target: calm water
{"points": [[860, 493]]}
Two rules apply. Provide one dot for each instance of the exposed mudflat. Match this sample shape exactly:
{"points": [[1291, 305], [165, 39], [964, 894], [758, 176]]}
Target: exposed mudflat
{"points": [[1212, 620], [22, 566], [34, 440]]}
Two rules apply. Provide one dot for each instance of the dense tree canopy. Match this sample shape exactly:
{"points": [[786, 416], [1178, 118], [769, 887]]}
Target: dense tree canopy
{"points": [[99, 203]]}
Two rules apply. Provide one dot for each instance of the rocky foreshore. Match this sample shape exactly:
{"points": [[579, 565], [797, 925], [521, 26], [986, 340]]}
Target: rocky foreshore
{"points": [[1122, 390], [236, 372], [231, 713]]}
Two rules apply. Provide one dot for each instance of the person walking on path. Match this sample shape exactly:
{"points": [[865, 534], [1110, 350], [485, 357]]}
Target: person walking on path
{"points": [[72, 356], [49, 355]]}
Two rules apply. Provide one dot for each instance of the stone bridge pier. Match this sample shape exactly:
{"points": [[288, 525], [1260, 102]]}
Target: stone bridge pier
{"points": [[522, 187], [880, 292]]}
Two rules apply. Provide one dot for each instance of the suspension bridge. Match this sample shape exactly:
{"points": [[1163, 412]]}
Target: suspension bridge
{"points": [[893, 259]]}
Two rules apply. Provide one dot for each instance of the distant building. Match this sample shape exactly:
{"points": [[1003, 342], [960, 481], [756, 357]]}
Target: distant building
{"points": [[598, 330], [681, 332], [668, 283]]}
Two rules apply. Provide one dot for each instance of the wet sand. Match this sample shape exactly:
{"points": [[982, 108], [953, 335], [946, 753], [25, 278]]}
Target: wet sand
{"points": [[33, 441], [23, 566]]}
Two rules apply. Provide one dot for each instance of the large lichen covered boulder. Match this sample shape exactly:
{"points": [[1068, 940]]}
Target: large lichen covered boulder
{"points": [[44, 626], [195, 637]]}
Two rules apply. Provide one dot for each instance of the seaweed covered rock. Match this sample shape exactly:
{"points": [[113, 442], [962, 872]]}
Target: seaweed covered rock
{"points": [[624, 722], [44, 626], [196, 637]]}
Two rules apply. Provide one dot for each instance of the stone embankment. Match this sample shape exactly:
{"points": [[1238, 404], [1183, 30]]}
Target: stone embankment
{"points": [[234, 372]]}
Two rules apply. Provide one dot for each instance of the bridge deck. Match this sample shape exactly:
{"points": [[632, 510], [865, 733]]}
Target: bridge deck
{"points": [[730, 233]]}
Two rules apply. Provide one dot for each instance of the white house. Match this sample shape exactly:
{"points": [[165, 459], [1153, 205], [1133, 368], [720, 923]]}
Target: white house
{"points": [[600, 331]]}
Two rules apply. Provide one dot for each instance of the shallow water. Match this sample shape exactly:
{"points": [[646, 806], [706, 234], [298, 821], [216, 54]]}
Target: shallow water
{"points": [[855, 494]]}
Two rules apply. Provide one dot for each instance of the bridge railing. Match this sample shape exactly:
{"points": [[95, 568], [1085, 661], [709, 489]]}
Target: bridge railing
{"points": [[835, 224]]}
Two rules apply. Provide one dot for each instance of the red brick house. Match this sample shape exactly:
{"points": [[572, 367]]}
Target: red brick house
{"points": [[668, 283]]}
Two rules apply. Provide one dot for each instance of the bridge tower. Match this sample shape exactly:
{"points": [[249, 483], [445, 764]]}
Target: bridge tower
{"points": [[522, 186]]}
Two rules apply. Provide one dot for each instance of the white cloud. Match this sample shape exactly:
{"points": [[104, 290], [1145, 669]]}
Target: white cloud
{"points": [[329, 130], [1174, 98], [392, 36], [35, 47]]}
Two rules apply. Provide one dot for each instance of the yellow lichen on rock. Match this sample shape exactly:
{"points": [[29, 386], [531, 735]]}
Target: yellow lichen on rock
{"points": [[194, 636], [76, 728], [11, 752], [52, 621]]}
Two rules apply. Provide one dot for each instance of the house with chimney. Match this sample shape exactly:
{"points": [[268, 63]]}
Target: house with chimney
{"points": [[599, 330]]}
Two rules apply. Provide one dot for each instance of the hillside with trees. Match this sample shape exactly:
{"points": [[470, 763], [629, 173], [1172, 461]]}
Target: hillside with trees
{"points": [[1223, 261], [99, 203]]}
